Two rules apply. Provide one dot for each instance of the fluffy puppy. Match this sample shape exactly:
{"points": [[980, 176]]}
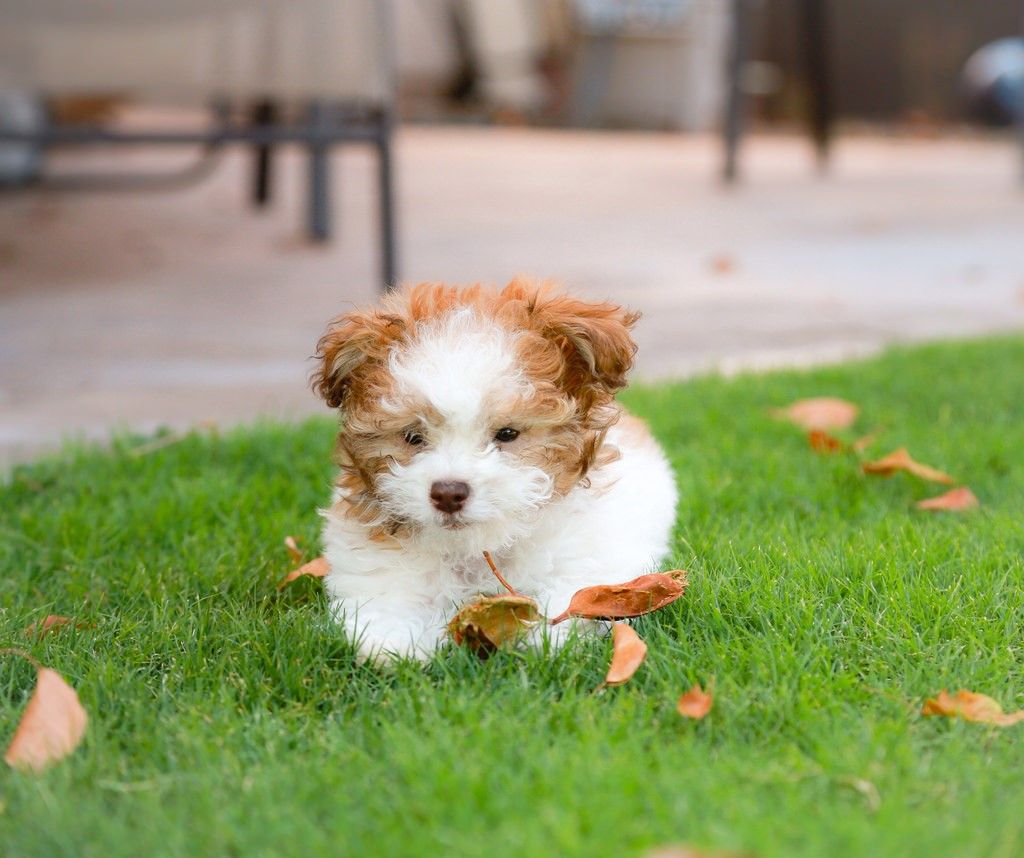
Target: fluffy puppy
{"points": [[482, 419]]}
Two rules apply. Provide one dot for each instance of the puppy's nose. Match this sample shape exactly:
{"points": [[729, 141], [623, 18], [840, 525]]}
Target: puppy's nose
{"points": [[449, 495]]}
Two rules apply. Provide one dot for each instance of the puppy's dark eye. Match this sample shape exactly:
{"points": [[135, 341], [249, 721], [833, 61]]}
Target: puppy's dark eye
{"points": [[414, 439], [503, 436]]}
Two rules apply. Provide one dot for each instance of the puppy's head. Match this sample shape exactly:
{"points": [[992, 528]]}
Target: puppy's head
{"points": [[463, 411]]}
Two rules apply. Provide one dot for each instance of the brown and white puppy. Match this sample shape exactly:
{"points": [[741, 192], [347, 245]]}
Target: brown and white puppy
{"points": [[482, 419]]}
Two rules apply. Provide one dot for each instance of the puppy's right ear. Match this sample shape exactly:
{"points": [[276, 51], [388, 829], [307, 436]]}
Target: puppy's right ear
{"points": [[352, 344]]}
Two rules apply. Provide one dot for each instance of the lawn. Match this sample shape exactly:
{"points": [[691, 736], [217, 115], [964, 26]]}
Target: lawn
{"points": [[231, 719]]}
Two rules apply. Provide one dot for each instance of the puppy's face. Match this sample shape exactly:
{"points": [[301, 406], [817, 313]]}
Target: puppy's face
{"points": [[463, 412]]}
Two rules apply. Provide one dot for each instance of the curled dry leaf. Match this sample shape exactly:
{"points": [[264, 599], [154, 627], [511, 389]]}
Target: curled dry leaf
{"points": [[971, 707], [631, 599], [315, 568], [822, 412], [900, 460], [492, 621], [955, 500], [51, 727], [695, 703], [628, 653], [291, 545], [864, 441], [723, 263], [822, 442], [49, 623]]}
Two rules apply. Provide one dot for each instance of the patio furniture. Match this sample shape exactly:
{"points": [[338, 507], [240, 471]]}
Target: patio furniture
{"points": [[813, 25], [313, 72]]}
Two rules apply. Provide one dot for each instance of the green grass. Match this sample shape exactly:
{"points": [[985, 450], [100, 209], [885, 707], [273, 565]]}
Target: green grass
{"points": [[229, 719]]}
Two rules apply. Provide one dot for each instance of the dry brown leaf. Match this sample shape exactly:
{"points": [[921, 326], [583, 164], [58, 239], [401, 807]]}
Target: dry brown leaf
{"points": [[865, 441], [291, 545], [628, 653], [723, 263], [315, 568], [823, 412], [695, 703], [49, 623], [955, 500], [631, 599], [50, 728], [900, 460], [971, 707], [492, 621], [822, 442]]}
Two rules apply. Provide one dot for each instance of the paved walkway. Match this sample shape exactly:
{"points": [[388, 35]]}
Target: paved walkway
{"points": [[141, 310]]}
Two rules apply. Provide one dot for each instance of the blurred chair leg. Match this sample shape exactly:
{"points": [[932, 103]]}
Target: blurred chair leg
{"points": [[1020, 102], [814, 37], [739, 49], [319, 177], [264, 113], [388, 241], [593, 75]]}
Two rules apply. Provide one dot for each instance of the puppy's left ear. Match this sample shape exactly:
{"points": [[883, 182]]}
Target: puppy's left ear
{"points": [[595, 342]]}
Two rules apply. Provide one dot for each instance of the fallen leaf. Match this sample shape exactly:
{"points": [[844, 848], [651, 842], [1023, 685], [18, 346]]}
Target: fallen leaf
{"points": [[492, 621], [315, 568], [955, 500], [823, 412], [900, 460], [864, 441], [723, 263], [971, 707], [628, 653], [695, 703], [822, 442], [50, 728], [291, 545], [618, 601], [48, 624]]}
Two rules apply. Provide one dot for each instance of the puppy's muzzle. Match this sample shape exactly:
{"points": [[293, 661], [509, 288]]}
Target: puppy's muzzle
{"points": [[449, 496]]}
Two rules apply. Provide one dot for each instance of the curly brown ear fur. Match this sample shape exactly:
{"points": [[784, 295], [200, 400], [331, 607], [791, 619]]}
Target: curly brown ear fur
{"points": [[354, 345], [595, 342]]}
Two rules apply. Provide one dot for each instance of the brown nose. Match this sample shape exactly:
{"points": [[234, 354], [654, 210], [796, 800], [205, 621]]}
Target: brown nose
{"points": [[449, 495]]}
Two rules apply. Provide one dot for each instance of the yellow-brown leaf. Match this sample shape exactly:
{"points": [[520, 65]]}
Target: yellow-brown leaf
{"points": [[822, 412], [493, 621], [900, 460], [49, 623], [971, 707], [315, 568], [631, 599], [628, 653], [822, 442], [695, 703], [291, 545], [51, 727], [955, 500]]}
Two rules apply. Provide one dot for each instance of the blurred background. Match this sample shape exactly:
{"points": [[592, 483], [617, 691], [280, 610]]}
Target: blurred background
{"points": [[189, 191]]}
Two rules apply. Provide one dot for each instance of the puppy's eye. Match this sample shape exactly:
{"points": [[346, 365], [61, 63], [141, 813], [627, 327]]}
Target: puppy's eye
{"points": [[414, 439], [506, 434]]}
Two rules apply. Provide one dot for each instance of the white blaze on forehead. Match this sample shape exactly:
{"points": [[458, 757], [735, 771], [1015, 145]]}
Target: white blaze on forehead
{"points": [[458, 363]]}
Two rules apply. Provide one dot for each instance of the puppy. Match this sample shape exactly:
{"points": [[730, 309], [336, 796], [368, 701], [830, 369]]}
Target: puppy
{"points": [[477, 420]]}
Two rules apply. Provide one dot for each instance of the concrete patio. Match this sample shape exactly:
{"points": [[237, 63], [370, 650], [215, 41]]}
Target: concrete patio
{"points": [[145, 310]]}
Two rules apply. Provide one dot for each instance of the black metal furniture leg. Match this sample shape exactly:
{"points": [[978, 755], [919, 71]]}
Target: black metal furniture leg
{"points": [[319, 176], [814, 37], [264, 113], [739, 49], [388, 241]]}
